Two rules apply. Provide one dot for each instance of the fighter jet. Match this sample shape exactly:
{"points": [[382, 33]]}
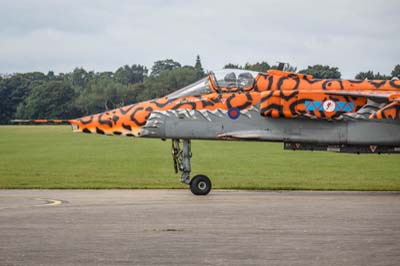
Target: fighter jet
{"points": [[305, 113]]}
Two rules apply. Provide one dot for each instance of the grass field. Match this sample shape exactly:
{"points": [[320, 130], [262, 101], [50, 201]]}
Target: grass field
{"points": [[54, 157]]}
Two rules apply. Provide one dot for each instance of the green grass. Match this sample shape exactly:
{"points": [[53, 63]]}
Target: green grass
{"points": [[54, 157]]}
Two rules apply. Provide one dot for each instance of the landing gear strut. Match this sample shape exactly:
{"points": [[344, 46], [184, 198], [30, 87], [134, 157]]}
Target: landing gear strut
{"points": [[200, 184]]}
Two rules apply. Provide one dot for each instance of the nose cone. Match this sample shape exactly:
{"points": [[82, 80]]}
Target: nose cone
{"points": [[125, 121]]}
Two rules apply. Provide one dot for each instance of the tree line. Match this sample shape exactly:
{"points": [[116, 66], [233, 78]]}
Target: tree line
{"points": [[69, 95]]}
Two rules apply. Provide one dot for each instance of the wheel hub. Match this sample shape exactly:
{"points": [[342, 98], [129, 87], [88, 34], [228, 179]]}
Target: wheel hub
{"points": [[202, 185]]}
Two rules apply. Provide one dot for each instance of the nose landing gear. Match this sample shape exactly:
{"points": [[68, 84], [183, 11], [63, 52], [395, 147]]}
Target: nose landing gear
{"points": [[199, 184]]}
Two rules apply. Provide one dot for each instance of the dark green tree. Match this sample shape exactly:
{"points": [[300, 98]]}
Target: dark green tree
{"points": [[164, 65], [103, 93], [130, 75], [124, 75], [199, 68], [233, 66], [139, 73], [51, 75], [79, 77], [49, 100], [167, 82], [322, 72], [106, 74], [13, 91], [259, 66], [371, 75], [396, 71]]}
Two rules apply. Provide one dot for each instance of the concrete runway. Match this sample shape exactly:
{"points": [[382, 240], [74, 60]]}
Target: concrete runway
{"points": [[173, 227]]}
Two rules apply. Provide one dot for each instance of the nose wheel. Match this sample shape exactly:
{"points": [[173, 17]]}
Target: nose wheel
{"points": [[199, 184]]}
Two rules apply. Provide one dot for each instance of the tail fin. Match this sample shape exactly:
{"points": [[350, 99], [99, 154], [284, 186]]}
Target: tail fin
{"points": [[41, 121]]}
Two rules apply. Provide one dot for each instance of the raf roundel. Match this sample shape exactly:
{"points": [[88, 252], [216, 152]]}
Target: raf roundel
{"points": [[329, 106], [234, 113]]}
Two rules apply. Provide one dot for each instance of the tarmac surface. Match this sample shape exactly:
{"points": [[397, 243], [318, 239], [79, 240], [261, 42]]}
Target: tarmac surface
{"points": [[173, 227]]}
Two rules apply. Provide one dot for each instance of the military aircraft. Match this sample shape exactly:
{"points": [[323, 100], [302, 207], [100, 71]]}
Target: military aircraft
{"points": [[353, 116]]}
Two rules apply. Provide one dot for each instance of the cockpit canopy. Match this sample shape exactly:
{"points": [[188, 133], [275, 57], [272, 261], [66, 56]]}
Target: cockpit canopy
{"points": [[223, 81], [232, 80]]}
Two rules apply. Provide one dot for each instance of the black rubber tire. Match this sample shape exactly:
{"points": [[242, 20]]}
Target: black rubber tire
{"points": [[200, 185]]}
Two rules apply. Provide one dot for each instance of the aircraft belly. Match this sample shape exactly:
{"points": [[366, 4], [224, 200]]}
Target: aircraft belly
{"points": [[373, 133], [302, 130], [333, 132]]}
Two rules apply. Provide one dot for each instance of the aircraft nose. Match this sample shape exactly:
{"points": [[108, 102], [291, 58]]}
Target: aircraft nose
{"points": [[126, 121]]}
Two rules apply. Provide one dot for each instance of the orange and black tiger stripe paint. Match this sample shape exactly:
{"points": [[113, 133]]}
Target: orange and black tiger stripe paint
{"points": [[279, 80], [390, 111], [129, 120]]}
